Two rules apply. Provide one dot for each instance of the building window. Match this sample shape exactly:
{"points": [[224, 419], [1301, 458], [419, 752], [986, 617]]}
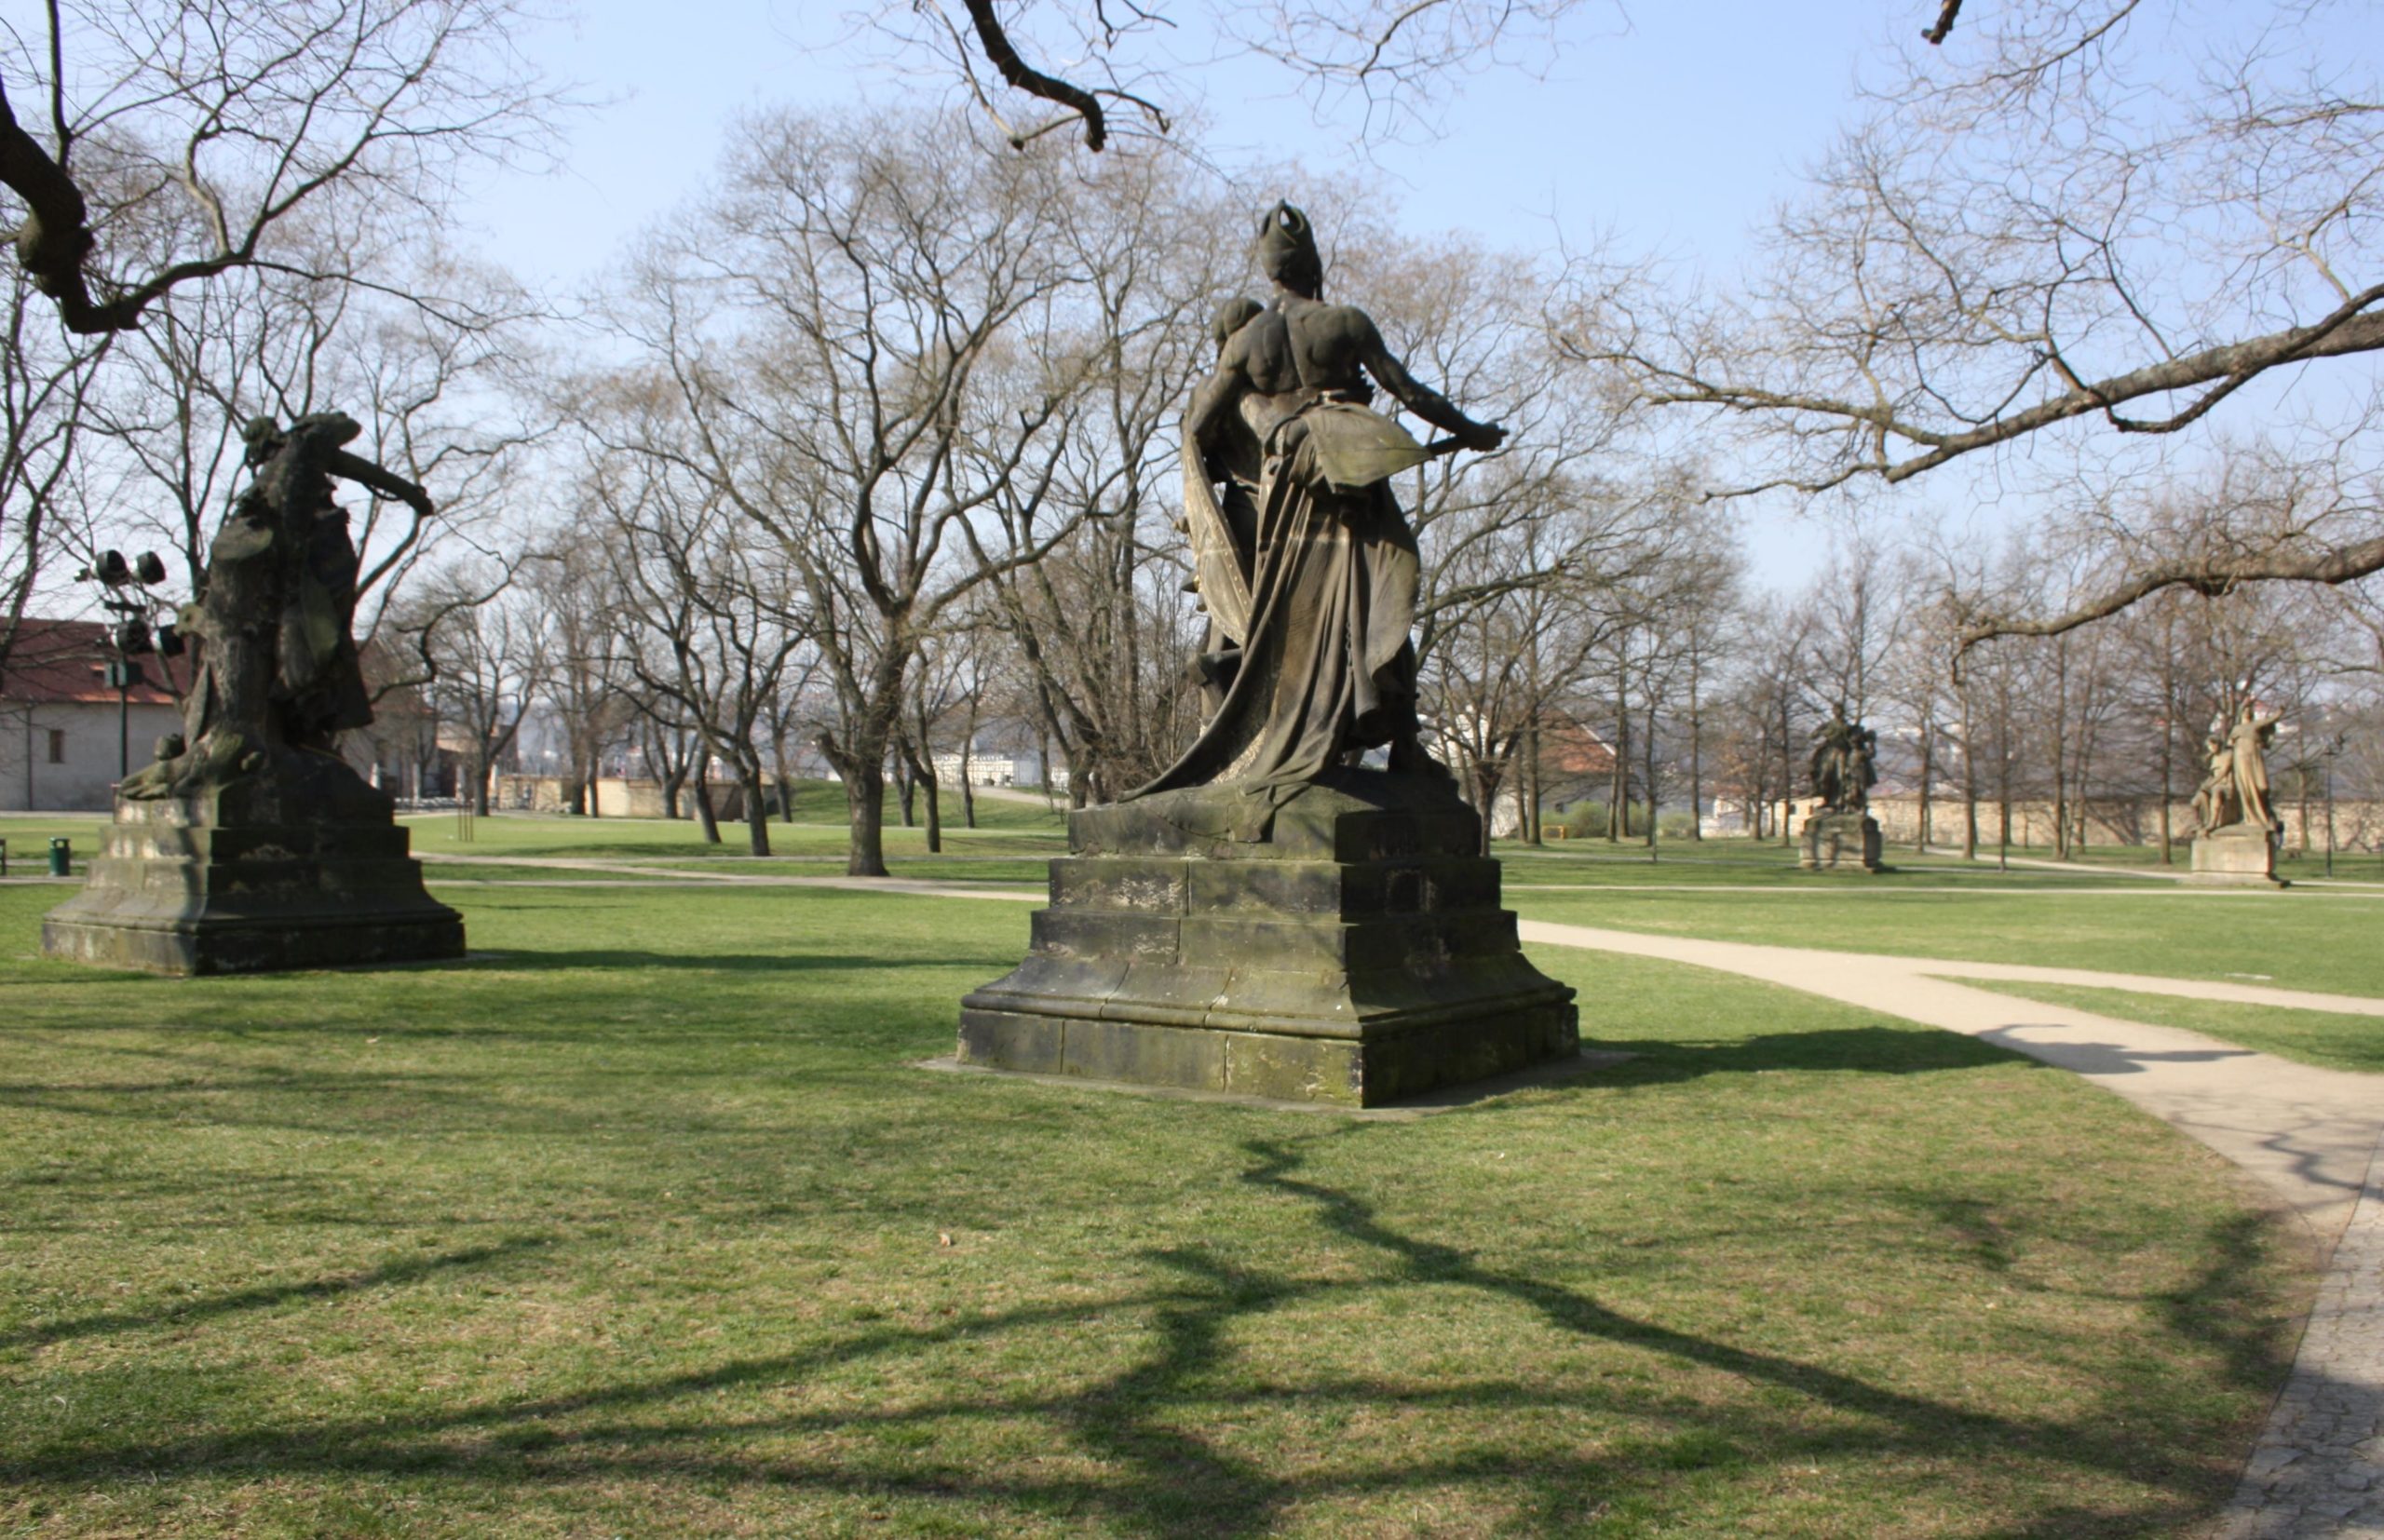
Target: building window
{"points": [[57, 746]]}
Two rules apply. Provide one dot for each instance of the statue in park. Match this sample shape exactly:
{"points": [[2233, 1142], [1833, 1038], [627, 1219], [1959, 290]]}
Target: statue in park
{"points": [[251, 845], [2239, 829], [2235, 791], [1278, 914], [2247, 744], [1843, 765], [1841, 834], [1310, 605], [278, 677], [2214, 804]]}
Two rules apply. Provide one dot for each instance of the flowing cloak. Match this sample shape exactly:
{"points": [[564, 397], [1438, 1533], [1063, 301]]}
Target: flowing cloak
{"points": [[1326, 665], [2251, 772]]}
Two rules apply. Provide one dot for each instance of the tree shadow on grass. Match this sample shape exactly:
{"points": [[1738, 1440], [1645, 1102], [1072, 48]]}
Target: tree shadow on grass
{"points": [[188, 1312], [533, 959], [1863, 1050], [1175, 1437]]}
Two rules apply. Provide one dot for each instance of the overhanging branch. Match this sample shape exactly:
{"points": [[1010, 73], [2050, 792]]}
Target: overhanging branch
{"points": [[2209, 575]]}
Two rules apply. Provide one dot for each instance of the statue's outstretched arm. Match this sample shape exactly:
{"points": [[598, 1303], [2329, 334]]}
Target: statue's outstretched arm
{"points": [[1418, 397], [388, 483]]}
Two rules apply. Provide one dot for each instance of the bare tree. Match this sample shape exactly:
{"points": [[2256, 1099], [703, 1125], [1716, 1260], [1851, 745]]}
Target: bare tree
{"points": [[1397, 61], [2063, 216], [181, 135], [826, 323], [45, 378], [485, 651], [706, 625]]}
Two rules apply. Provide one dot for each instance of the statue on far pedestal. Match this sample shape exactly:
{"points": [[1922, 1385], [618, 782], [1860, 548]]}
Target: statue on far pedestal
{"points": [[1296, 908], [2239, 829], [251, 844], [1840, 833]]}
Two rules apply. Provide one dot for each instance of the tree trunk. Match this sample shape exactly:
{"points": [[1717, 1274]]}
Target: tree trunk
{"points": [[1534, 794], [1485, 796], [671, 786], [1696, 767], [1647, 759], [1618, 822], [922, 775], [1928, 750], [757, 812], [968, 792], [865, 806], [705, 814]]}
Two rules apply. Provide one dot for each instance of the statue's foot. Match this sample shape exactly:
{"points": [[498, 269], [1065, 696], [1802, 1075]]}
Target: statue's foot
{"points": [[1409, 757], [217, 760]]}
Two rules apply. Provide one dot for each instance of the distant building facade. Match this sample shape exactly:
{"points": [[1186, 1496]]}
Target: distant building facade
{"points": [[66, 735]]}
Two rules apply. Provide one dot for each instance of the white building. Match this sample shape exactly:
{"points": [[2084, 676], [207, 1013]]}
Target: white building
{"points": [[62, 737], [1001, 767]]}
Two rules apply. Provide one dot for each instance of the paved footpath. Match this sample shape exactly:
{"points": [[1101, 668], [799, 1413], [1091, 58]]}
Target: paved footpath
{"points": [[2313, 1137]]}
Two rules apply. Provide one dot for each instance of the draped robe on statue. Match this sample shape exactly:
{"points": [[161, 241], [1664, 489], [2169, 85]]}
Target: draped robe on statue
{"points": [[1325, 666]]}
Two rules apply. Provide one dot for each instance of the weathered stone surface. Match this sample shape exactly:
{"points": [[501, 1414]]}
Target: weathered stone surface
{"points": [[179, 887], [2241, 855], [1358, 956], [1841, 841]]}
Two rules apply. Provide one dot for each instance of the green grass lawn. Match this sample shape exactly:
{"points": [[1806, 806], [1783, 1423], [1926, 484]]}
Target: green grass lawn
{"points": [[2302, 942], [641, 1224], [2325, 1038]]}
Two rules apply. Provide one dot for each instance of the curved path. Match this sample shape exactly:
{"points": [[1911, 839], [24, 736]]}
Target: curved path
{"points": [[2311, 1135]]}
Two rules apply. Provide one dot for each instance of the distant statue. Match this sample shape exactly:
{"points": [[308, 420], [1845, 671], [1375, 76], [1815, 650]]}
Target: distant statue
{"points": [[1844, 764], [2215, 801], [2247, 744], [1311, 608], [278, 677]]}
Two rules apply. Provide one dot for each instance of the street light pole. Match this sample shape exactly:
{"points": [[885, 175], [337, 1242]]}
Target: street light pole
{"points": [[124, 593]]}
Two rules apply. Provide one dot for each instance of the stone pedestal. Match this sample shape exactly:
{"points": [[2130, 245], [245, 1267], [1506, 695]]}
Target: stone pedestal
{"points": [[1841, 841], [256, 877], [2241, 855], [1356, 955]]}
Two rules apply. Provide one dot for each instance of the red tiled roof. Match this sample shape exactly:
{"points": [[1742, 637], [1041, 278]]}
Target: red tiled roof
{"points": [[52, 662], [1569, 748]]}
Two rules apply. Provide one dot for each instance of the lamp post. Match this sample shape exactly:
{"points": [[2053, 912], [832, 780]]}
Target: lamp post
{"points": [[124, 593]]}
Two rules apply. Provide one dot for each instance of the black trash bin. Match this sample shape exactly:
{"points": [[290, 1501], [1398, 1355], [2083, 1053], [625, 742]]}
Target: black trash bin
{"points": [[61, 858]]}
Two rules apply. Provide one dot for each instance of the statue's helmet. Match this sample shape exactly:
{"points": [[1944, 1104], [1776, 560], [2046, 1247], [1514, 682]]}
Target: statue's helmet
{"points": [[1232, 315], [1287, 250]]}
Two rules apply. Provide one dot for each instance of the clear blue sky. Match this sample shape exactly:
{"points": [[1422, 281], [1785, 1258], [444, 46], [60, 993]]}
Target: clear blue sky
{"points": [[1676, 129]]}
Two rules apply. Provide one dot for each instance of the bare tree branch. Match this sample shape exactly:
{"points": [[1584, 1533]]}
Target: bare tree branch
{"points": [[2210, 576]]}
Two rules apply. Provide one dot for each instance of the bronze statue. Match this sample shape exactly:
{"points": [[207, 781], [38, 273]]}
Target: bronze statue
{"points": [[279, 675], [1843, 763], [1313, 603]]}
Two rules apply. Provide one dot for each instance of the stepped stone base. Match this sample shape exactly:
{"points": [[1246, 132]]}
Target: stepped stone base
{"points": [[1841, 841], [1355, 954], [234, 882], [2238, 855]]}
